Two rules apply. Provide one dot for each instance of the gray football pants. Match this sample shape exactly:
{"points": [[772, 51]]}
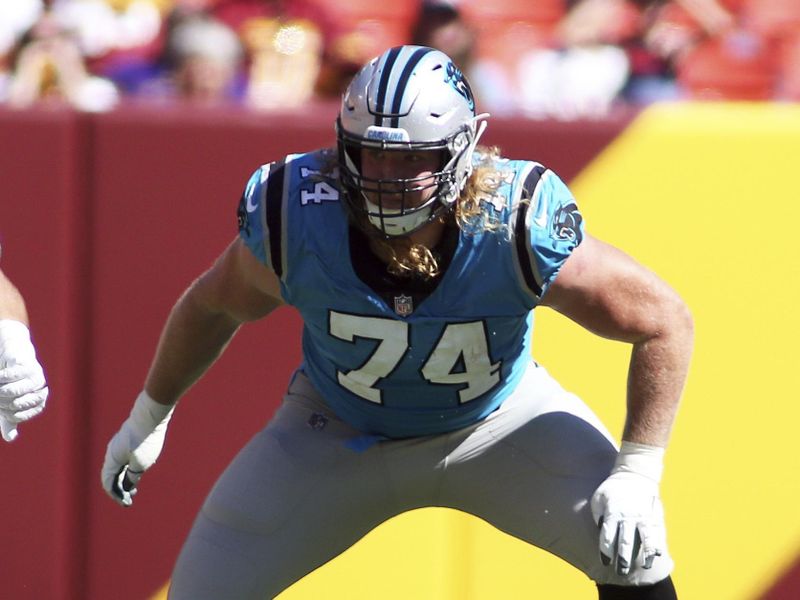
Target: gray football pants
{"points": [[308, 486]]}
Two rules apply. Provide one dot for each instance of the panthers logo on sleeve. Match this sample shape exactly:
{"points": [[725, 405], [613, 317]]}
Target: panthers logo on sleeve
{"points": [[566, 224], [246, 213], [242, 220]]}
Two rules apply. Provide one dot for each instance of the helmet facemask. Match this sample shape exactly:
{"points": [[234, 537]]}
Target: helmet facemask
{"points": [[387, 203]]}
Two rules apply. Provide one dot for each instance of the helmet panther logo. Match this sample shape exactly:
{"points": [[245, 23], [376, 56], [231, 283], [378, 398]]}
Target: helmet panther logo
{"points": [[455, 77]]}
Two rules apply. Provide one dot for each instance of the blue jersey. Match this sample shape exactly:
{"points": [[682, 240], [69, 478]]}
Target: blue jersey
{"points": [[396, 366]]}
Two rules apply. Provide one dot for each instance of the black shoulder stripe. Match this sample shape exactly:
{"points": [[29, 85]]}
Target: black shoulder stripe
{"points": [[521, 238], [274, 214], [520, 230], [531, 181]]}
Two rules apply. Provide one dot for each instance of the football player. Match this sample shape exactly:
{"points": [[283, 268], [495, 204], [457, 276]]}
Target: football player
{"points": [[415, 258], [23, 389]]}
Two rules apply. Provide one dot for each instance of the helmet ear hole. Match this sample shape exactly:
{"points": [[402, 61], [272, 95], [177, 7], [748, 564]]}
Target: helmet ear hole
{"points": [[460, 142]]}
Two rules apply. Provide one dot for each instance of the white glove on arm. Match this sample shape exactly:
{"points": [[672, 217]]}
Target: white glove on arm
{"points": [[135, 448], [23, 389], [628, 509]]}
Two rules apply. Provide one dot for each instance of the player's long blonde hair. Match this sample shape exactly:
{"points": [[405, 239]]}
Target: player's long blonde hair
{"points": [[470, 214]]}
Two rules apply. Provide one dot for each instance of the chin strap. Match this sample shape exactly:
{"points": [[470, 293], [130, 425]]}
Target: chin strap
{"points": [[481, 128], [474, 144]]}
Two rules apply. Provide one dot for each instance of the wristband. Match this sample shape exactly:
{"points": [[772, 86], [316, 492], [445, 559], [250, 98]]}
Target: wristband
{"points": [[14, 331], [147, 414], [644, 460], [16, 346]]}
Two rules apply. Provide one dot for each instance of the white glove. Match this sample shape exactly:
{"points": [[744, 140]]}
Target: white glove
{"points": [[628, 509], [23, 389], [135, 448]]}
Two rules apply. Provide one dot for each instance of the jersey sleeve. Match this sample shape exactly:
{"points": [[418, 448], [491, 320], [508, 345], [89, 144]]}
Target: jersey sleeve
{"points": [[548, 228], [260, 215]]}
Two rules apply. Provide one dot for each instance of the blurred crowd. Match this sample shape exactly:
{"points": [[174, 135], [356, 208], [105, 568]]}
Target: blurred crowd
{"points": [[541, 58]]}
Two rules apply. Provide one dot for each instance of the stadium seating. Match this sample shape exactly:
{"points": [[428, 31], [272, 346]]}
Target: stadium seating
{"points": [[738, 66], [505, 30]]}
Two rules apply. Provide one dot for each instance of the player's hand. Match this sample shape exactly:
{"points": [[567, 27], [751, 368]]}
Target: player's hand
{"points": [[628, 509], [23, 389], [135, 448]]}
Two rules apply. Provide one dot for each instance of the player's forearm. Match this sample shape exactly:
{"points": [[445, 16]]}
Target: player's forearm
{"points": [[656, 377], [12, 306], [192, 339]]}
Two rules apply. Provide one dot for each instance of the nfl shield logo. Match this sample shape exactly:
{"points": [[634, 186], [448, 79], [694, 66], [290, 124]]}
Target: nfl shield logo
{"points": [[403, 305]]}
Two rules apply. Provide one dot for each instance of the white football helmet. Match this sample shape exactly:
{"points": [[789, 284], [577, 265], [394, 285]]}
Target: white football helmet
{"points": [[409, 98]]}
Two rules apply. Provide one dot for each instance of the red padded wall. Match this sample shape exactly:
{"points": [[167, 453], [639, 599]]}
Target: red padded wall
{"points": [[44, 221]]}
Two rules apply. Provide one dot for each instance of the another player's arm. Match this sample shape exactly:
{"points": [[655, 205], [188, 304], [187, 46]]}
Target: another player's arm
{"points": [[12, 305], [610, 294], [236, 289], [23, 388]]}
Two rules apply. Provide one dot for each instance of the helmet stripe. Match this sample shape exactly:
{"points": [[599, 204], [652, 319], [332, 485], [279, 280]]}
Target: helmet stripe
{"points": [[403, 81], [384, 84]]}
